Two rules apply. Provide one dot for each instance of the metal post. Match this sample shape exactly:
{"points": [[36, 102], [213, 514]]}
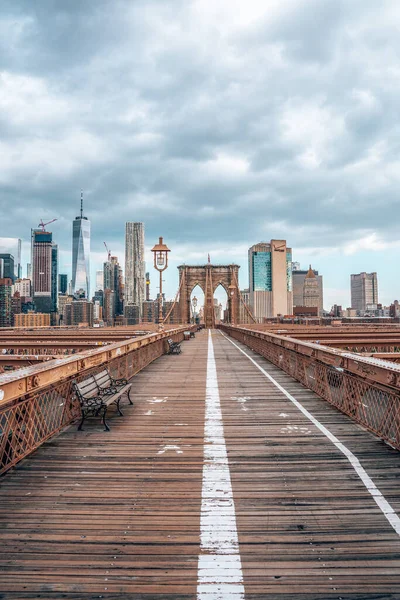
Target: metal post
{"points": [[160, 315]]}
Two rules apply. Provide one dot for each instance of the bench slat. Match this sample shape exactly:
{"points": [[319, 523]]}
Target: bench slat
{"points": [[103, 379], [88, 387]]}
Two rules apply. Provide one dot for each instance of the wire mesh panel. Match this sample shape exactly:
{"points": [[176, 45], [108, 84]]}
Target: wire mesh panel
{"points": [[374, 406]]}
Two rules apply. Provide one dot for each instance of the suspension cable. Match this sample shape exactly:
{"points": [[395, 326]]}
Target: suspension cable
{"points": [[176, 297], [252, 317]]}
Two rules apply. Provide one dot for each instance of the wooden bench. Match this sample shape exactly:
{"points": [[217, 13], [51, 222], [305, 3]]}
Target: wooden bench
{"points": [[173, 347], [97, 392]]}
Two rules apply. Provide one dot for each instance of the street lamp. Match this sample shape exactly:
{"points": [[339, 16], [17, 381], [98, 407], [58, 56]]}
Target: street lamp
{"points": [[160, 264], [194, 303], [231, 298]]}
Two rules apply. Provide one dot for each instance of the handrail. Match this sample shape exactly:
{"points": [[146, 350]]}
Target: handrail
{"points": [[32, 379], [375, 370], [364, 388]]}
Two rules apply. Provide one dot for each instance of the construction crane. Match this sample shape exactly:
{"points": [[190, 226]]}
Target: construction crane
{"points": [[108, 251], [43, 225]]}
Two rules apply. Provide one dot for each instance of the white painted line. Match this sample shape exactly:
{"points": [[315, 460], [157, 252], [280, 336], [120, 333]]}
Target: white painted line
{"points": [[219, 574], [379, 498]]}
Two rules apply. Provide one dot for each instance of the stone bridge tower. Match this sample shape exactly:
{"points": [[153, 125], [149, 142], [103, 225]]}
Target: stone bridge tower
{"points": [[208, 277]]}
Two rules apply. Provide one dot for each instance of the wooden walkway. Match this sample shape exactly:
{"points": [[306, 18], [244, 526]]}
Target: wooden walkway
{"points": [[127, 514]]}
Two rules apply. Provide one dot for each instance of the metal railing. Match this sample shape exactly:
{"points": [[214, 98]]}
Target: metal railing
{"points": [[365, 389], [37, 402]]}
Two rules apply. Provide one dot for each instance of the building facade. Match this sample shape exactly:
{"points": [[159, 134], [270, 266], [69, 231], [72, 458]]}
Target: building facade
{"points": [[23, 286], [62, 283], [299, 277], [134, 264], [16, 306], [113, 281], [81, 253], [32, 319], [270, 279], [5, 302], [244, 316], [8, 270], [109, 313], [99, 281], [54, 277], [63, 299], [149, 311], [364, 291], [42, 270], [78, 312], [131, 314], [311, 293]]}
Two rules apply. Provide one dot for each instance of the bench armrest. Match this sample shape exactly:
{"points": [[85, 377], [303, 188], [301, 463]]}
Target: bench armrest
{"points": [[119, 381]]}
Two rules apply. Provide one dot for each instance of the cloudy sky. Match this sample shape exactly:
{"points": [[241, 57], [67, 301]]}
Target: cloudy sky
{"points": [[218, 123]]}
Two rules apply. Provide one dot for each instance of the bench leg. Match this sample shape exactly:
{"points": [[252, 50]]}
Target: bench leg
{"points": [[106, 427], [118, 408], [81, 423], [129, 396]]}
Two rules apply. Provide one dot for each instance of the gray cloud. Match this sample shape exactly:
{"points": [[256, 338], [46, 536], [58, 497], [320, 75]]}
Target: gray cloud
{"points": [[218, 123]]}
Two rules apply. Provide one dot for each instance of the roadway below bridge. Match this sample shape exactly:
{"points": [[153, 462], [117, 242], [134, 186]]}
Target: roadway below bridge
{"points": [[227, 479]]}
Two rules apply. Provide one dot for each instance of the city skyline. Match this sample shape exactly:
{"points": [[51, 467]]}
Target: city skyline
{"points": [[286, 132], [331, 296]]}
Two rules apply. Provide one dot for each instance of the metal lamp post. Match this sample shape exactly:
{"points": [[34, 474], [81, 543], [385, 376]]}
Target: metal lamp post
{"points": [[231, 297], [160, 264], [194, 303]]}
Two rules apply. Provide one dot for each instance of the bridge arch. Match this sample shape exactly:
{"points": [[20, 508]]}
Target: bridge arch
{"points": [[209, 277]]}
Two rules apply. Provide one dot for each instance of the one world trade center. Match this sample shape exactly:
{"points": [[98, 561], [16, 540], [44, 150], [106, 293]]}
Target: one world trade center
{"points": [[81, 253]]}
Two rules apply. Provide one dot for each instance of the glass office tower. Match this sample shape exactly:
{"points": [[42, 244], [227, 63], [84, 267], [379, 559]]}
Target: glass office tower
{"points": [[270, 279], [81, 254]]}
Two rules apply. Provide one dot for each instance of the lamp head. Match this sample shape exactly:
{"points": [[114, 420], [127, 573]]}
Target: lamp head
{"points": [[160, 255]]}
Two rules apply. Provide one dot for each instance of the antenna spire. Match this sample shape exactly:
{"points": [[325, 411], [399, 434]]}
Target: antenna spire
{"points": [[81, 204]]}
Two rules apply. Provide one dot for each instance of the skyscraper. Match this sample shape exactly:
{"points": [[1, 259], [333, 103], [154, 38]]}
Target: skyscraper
{"points": [[364, 291], [81, 253], [99, 281], [299, 277], [5, 302], [62, 283], [134, 265], [54, 276], [270, 279], [113, 283], [12, 246], [42, 270], [311, 292], [19, 266], [8, 266]]}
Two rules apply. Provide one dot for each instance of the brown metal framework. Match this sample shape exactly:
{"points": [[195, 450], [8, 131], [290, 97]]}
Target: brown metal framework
{"points": [[366, 389]]}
